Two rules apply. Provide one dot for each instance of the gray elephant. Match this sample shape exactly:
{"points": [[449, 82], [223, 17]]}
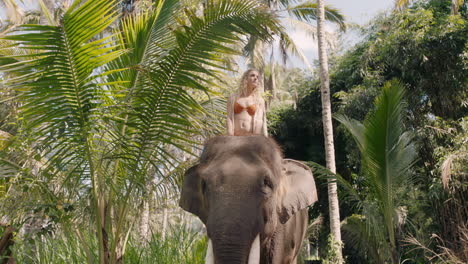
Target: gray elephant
{"points": [[249, 198]]}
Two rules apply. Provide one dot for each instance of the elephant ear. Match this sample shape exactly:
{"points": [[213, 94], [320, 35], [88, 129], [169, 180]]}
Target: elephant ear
{"points": [[191, 193], [297, 189]]}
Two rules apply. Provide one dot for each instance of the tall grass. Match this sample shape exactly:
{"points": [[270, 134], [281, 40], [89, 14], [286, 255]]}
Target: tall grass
{"points": [[182, 245], [52, 248]]}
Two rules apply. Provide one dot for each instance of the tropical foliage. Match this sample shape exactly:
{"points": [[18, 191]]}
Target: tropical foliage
{"points": [[181, 246], [424, 47], [101, 109], [388, 154], [104, 103], [297, 15]]}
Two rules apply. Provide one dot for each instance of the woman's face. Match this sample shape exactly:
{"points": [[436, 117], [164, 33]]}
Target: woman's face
{"points": [[252, 79]]}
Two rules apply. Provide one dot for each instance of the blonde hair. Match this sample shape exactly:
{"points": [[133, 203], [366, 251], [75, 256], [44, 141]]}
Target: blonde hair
{"points": [[242, 91]]}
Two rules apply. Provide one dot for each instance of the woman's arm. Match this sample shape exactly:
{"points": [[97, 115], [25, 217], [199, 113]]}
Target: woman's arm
{"points": [[264, 121], [229, 117], [260, 125]]}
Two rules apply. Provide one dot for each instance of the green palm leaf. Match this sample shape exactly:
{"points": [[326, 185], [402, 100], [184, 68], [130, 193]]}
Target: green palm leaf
{"points": [[387, 156], [307, 11], [165, 108], [61, 94], [104, 110], [61, 100], [356, 232], [146, 37]]}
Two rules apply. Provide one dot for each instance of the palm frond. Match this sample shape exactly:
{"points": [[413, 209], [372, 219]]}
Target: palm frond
{"points": [[287, 44], [307, 11], [356, 232], [311, 31], [45, 10], [164, 96], [254, 51], [57, 87], [388, 151], [387, 155], [355, 127], [322, 172], [146, 37]]}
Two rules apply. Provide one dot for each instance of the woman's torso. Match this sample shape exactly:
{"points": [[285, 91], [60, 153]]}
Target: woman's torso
{"points": [[244, 116]]}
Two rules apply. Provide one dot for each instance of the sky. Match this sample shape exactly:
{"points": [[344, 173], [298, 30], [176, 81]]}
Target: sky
{"points": [[355, 11]]}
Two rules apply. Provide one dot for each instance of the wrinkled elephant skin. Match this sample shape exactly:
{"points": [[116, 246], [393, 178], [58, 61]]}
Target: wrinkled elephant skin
{"points": [[242, 189]]}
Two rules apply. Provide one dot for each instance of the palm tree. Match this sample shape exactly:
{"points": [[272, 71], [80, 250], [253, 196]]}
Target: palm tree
{"points": [[103, 109], [299, 16], [333, 204], [387, 156]]}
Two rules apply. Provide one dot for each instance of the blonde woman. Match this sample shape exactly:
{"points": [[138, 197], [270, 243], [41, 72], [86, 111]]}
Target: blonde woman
{"points": [[246, 109]]}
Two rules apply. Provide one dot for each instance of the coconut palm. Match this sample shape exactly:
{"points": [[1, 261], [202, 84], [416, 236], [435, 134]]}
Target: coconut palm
{"points": [[333, 203], [103, 109], [387, 156], [297, 15]]}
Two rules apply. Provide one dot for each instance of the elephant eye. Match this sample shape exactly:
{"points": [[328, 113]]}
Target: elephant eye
{"points": [[267, 182]]}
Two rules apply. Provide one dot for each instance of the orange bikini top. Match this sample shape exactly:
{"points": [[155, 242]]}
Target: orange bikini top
{"points": [[239, 108]]}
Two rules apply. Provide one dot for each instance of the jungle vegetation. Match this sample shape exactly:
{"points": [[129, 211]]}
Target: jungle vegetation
{"points": [[423, 49], [105, 103]]}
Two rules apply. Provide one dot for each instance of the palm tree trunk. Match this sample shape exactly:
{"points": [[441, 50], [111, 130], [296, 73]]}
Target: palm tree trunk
{"points": [[328, 128], [455, 6], [144, 224]]}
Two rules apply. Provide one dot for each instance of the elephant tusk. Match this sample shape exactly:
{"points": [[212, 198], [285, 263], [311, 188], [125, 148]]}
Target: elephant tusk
{"points": [[209, 258], [254, 255]]}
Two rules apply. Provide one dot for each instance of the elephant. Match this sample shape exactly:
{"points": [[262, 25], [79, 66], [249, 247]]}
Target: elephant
{"points": [[251, 200]]}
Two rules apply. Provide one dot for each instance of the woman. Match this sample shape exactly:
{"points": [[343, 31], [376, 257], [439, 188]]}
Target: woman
{"points": [[246, 109]]}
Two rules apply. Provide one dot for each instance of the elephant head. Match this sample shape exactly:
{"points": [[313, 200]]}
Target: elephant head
{"points": [[243, 189]]}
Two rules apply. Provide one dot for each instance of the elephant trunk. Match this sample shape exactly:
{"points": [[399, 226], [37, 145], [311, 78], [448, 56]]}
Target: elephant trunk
{"points": [[254, 254], [229, 253], [233, 236]]}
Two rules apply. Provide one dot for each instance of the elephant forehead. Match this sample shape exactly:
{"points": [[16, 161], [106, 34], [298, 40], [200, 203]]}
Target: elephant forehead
{"points": [[235, 171], [239, 164]]}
